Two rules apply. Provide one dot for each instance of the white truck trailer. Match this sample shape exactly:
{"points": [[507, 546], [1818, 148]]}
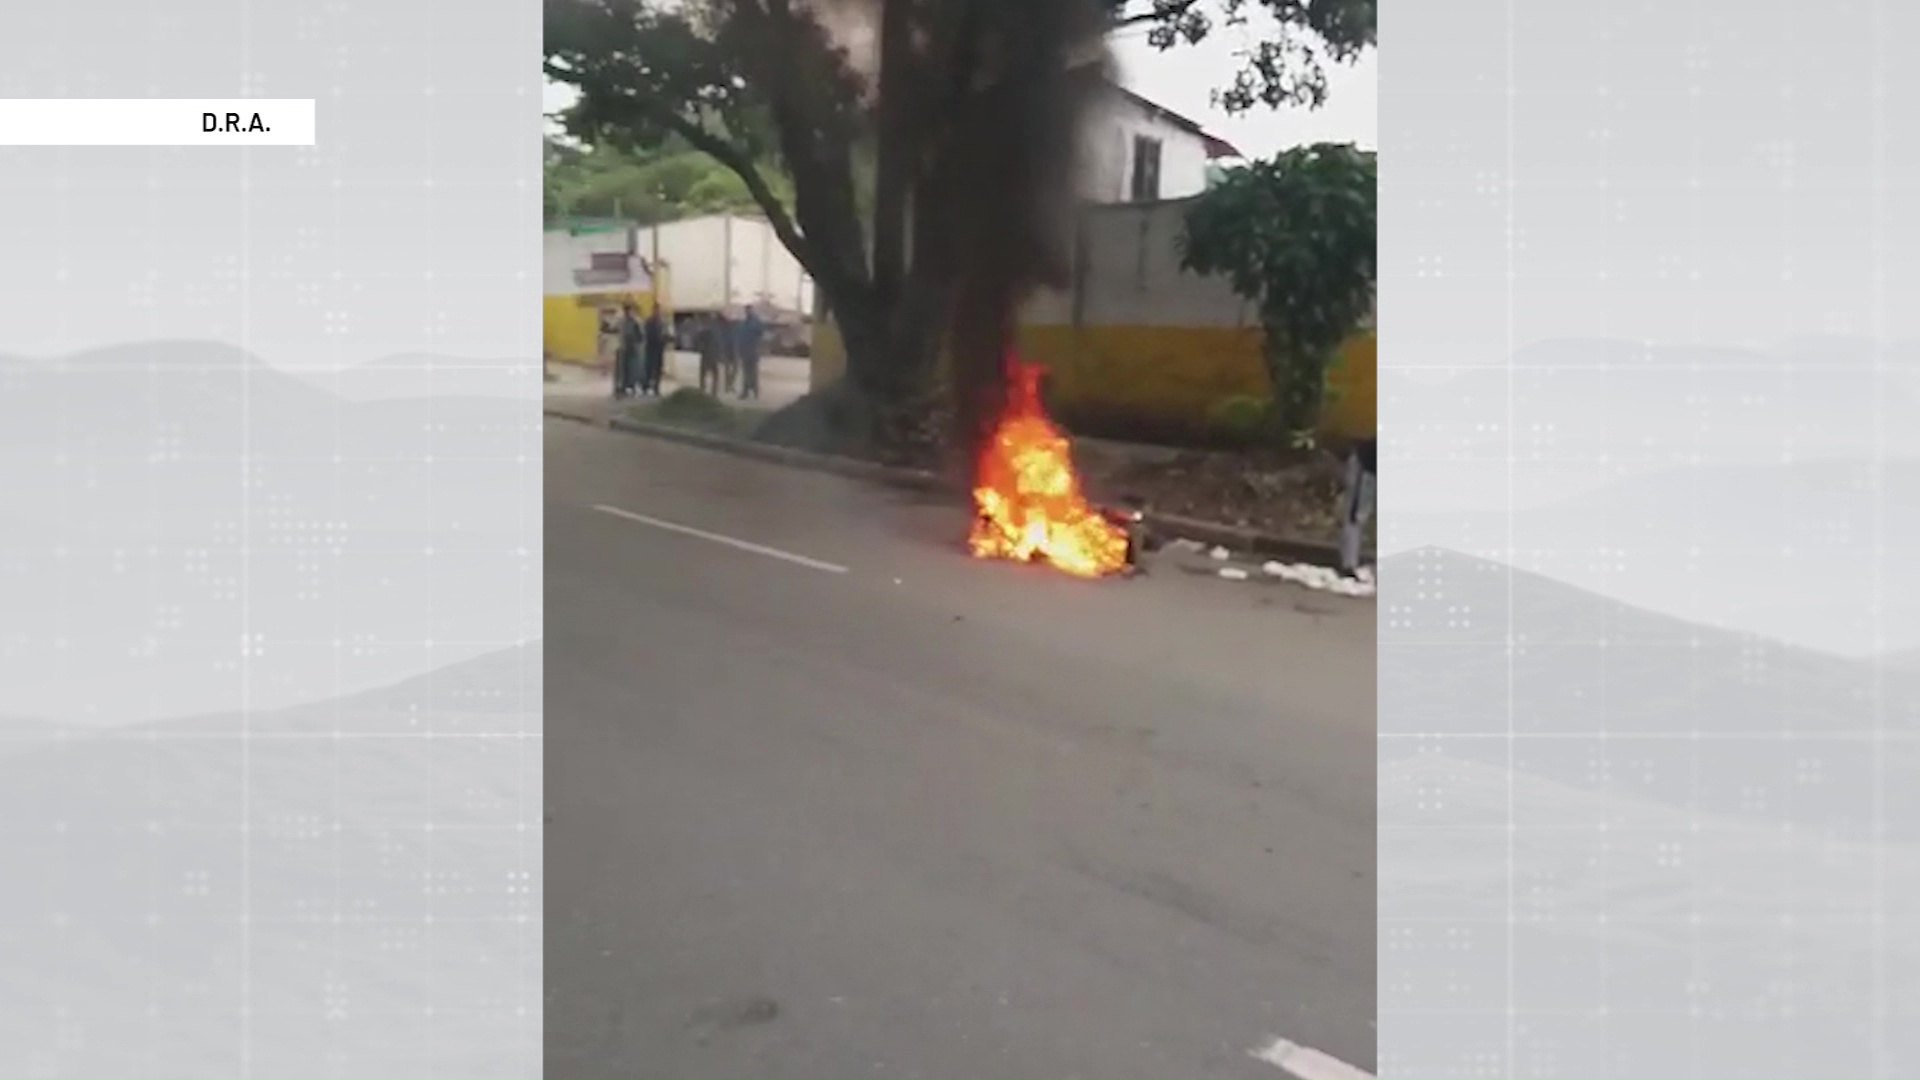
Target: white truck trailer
{"points": [[722, 263]]}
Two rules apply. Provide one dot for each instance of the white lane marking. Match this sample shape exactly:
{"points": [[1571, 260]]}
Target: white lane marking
{"points": [[1307, 1063], [716, 538]]}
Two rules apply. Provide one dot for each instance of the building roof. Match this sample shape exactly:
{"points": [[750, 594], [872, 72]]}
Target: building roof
{"points": [[1217, 147]]}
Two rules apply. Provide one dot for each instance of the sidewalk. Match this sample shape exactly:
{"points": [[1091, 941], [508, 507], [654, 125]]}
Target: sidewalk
{"points": [[579, 393], [783, 379]]}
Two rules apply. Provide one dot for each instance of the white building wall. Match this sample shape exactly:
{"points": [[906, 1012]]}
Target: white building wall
{"points": [[1128, 274], [1107, 152], [564, 253], [1133, 275]]}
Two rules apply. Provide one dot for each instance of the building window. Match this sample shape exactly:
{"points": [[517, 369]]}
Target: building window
{"points": [[1146, 169]]}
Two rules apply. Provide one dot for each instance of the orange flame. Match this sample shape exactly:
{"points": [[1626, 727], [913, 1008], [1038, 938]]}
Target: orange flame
{"points": [[1026, 497]]}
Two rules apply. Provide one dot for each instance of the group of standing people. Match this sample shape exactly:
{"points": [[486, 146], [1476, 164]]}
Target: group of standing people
{"points": [[729, 352], [639, 351]]}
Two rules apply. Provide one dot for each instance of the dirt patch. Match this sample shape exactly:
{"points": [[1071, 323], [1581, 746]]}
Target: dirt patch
{"points": [[1292, 495], [839, 421]]}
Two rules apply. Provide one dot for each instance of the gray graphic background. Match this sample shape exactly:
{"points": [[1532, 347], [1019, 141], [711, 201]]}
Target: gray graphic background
{"points": [[1650, 647], [270, 552]]}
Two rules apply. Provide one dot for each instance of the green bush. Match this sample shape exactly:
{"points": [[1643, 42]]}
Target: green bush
{"points": [[690, 406], [696, 409], [1240, 419]]}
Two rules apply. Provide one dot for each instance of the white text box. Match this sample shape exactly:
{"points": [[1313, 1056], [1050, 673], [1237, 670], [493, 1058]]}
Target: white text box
{"points": [[156, 122]]}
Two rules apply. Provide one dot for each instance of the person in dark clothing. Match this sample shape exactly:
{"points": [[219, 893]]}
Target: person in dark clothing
{"points": [[708, 339], [626, 364], [729, 352], [1357, 505], [751, 331], [655, 346]]}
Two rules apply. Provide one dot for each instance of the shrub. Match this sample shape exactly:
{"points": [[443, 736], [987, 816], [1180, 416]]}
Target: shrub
{"points": [[1240, 420], [1296, 236], [687, 403]]}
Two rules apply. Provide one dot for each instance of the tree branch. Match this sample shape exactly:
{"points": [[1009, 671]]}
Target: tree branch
{"points": [[816, 131], [1159, 11], [642, 73], [893, 165]]}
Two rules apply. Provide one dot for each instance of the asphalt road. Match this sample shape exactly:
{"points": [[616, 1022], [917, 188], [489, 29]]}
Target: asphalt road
{"points": [[827, 798]]}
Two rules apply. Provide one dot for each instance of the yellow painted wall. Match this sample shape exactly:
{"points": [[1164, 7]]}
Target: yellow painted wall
{"points": [[1164, 379], [1354, 411], [570, 323], [827, 359]]}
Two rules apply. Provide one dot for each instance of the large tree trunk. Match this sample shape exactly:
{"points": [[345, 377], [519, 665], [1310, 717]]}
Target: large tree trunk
{"points": [[863, 338], [893, 353], [877, 409], [895, 145]]}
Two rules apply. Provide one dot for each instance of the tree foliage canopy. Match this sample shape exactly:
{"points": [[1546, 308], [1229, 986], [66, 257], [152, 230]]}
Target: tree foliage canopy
{"points": [[650, 185], [1294, 41], [1296, 236], [746, 82]]}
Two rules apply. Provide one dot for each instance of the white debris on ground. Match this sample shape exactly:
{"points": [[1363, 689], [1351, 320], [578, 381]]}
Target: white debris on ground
{"points": [[1308, 575], [1324, 578]]}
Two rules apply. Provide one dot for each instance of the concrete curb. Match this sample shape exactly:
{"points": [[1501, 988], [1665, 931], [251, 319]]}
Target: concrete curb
{"points": [[891, 475], [577, 417], [919, 480], [1214, 534]]}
